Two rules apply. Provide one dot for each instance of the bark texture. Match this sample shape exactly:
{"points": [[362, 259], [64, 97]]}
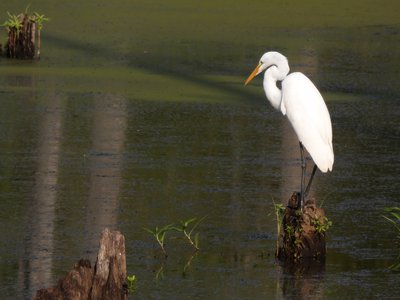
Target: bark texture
{"points": [[21, 41], [302, 232], [106, 281]]}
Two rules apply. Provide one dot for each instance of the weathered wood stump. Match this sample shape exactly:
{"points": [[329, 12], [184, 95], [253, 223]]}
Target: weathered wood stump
{"points": [[76, 285], [109, 281], [302, 232], [21, 40], [106, 281]]}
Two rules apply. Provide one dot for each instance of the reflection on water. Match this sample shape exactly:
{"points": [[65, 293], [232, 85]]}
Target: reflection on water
{"points": [[41, 227], [303, 280], [108, 137]]}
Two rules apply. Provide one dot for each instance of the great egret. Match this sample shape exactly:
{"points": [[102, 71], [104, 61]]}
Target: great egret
{"points": [[305, 108]]}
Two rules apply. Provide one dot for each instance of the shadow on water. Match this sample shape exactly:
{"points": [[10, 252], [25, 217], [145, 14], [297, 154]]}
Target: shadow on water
{"points": [[186, 74], [334, 68]]}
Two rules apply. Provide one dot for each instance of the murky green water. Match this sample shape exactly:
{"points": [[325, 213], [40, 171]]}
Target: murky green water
{"points": [[137, 116]]}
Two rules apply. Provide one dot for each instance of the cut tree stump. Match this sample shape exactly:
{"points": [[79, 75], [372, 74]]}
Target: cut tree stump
{"points": [[302, 232], [106, 281]]}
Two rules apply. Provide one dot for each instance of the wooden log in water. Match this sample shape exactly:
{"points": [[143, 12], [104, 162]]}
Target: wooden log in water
{"points": [[302, 232], [106, 281]]}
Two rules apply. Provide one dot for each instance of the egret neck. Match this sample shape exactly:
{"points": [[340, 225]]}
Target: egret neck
{"points": [[273, 93]]}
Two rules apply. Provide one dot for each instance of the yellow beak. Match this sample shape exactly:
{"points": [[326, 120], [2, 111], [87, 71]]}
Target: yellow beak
{"points": [[253, 74]]}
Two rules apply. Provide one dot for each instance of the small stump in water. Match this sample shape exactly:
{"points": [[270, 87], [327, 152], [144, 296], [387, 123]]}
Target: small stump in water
{"points": [[302, 233], [23, 35], [107, 280], [21, 38]]}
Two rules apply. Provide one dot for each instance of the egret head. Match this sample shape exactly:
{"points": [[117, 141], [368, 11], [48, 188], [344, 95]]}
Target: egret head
{"points": [[260, 67], [269, 59]]}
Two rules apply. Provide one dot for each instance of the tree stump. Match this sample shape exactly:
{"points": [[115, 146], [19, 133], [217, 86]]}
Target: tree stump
{"points": [[110, 270], [23, 35], [302, 232], [21, 40], [106, 281], [76, 285]]}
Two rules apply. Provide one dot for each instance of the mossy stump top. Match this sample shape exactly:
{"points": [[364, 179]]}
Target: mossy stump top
{"points": [[303, 231]]}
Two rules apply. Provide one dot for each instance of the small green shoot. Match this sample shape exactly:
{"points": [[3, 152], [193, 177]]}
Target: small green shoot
{"points": [[159, 235], [27, 8], [131, 279], [290, 231], [321, 226], [394, 219], [184, 227], [39, 19], [189, 231], [279, 212], [14, 22]]}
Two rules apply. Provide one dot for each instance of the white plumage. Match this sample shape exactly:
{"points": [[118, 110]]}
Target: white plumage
{"points": [[303, 105], [305, 108]]}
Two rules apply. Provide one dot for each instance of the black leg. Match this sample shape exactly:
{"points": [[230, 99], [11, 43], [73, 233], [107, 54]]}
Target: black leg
{"points": [[303, 175], [310, 181]]}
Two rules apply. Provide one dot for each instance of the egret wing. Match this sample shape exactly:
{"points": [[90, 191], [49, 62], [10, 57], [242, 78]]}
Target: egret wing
{"points": [[309, 116]]}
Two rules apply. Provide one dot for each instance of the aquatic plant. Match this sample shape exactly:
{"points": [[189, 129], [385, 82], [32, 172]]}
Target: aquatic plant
{"points": [[394, 219], [289, 231], [279, 210], [13, 22], [38, 19], [23, 31], [187, 231], [321, 225], [131, 279], [159, 235]]}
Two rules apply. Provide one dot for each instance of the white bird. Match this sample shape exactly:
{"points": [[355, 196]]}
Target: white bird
{"points": [[305, 108]]}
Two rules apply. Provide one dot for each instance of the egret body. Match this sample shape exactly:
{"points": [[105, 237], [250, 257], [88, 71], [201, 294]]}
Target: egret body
{"points": [[305, 108]]}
